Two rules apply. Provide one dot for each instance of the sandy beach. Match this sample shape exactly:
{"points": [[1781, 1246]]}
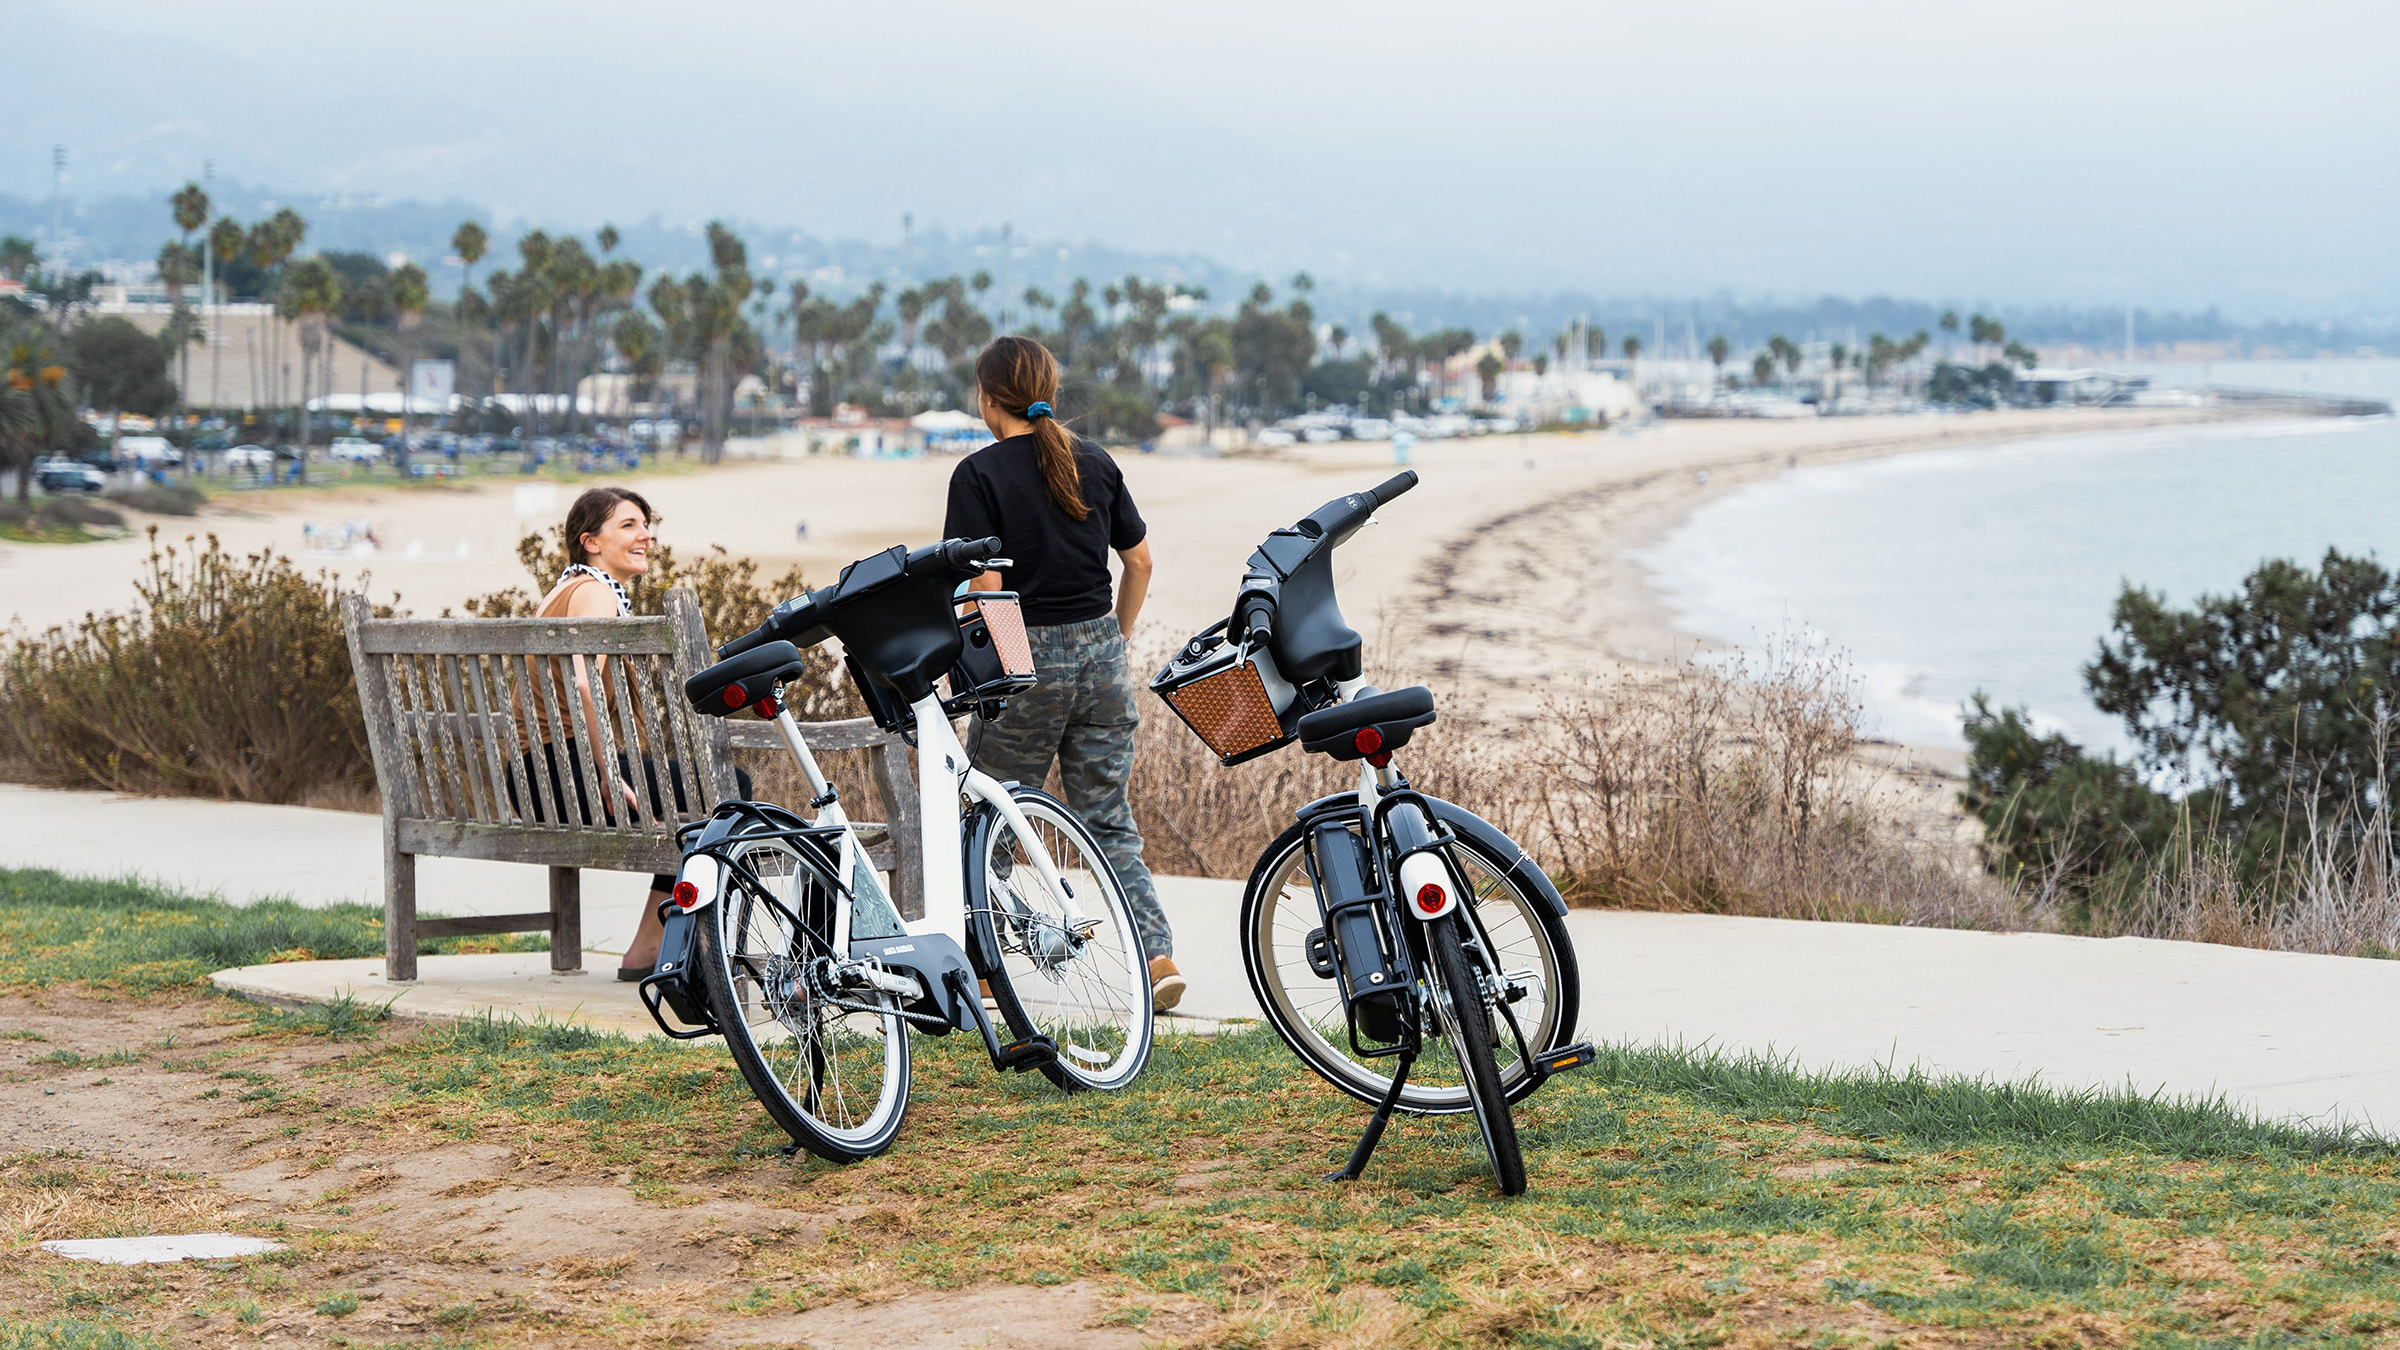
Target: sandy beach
{"points": [[1504, 568]]}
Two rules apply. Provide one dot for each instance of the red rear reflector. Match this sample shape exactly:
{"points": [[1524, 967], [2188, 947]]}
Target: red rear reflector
{"points": [[686, 894], [1368, 740], [1431, 897], [736, 696], [768, 708]]}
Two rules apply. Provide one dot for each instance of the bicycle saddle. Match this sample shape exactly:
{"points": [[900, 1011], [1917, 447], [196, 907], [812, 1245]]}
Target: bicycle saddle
{"points": [[1393, 717], [739, 681]]}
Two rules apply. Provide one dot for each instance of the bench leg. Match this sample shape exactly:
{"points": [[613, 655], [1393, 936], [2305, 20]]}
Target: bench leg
{"points": [[399, 916], [566, 919]]}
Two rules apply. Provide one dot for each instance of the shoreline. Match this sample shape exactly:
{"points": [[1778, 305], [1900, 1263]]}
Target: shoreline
{"points": [[1551, 590]]}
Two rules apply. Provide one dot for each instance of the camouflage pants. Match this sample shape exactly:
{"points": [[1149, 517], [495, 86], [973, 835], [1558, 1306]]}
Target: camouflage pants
{"points": [[1082, 714]]}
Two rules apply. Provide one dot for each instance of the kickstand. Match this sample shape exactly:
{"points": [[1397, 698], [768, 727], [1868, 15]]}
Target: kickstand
{"points": [[1357, 1165]]}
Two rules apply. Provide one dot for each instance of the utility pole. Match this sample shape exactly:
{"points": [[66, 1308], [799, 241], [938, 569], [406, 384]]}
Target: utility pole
{"points": [[208, 273], [58, 188], [1007, 250]]}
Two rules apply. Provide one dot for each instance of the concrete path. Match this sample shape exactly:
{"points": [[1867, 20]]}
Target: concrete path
{"points": [[2286, 1035]]}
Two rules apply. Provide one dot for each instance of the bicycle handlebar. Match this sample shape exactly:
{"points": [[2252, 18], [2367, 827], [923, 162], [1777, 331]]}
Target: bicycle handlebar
{"points": [[1393, 486], [801, 620]]}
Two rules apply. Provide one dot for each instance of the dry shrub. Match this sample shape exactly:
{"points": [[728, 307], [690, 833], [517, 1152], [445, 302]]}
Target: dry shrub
{"points": [[1727, 789], [2340, 896], [229, 678]]}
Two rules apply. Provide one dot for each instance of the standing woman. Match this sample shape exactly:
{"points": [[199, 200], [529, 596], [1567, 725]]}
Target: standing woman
{"points": [[1059, 506]]}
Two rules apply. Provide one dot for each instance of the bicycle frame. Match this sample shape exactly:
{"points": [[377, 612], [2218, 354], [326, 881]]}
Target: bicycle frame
{"points": [[924, 964]]}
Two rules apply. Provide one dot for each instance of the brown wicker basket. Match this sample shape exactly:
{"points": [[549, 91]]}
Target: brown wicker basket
{"points": [[1223, 696]]}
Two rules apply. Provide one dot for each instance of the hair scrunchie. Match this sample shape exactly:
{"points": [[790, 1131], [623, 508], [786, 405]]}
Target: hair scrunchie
{"points": [[1037, 412]]}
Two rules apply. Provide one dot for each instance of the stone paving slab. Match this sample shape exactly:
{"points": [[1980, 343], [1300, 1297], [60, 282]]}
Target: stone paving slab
{"points": [[517, 985], [2283, 1034]]}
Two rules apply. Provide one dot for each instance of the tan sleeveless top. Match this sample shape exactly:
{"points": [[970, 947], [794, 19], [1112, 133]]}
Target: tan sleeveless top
{"points": [[569, 708]]}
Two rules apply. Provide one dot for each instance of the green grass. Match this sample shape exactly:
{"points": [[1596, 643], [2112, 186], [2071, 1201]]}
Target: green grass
{"points": [[56, 929], [1678, 1197]]}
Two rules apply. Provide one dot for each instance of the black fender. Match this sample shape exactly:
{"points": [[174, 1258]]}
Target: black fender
{"points": [[1514, 860]]}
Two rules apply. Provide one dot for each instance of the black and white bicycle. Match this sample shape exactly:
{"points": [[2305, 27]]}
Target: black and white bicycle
{"points": [[780, 937], [1407, 950]]}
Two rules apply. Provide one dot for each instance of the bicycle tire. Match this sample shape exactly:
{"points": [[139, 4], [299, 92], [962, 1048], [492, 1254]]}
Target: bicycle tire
{"points": [[1093, 997], [1467, 1025], [1307, 1016], [754, 968]]}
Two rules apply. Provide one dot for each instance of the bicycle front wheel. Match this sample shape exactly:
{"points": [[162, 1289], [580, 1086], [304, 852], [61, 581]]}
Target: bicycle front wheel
{"points": [[1064, 962], [1458, 995], [829, 1065]]}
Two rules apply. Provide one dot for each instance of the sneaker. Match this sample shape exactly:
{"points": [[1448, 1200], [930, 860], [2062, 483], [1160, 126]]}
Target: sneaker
{"points": [[1166, 983]]}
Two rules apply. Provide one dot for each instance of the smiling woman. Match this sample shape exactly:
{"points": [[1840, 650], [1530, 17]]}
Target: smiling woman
{"points": [[608, 538]]}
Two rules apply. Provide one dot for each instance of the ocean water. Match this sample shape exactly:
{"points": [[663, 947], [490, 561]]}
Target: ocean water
{"points": [[1950, 571]]}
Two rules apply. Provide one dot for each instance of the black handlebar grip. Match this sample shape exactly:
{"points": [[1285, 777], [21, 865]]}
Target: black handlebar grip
{"points": [[965, 553], [756, 637], [1258, 616], [1394, 486]]}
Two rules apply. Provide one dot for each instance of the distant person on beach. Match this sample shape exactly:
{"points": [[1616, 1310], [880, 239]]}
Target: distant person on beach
{"points": [[608, 538], [1059, 507]]}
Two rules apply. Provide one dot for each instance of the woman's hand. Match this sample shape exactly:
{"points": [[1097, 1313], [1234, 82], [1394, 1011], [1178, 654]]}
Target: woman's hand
{"points": [[1133, 586]]}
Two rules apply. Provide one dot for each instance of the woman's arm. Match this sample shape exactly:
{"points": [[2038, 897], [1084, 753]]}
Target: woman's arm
{"points": [[591, 600], [1134, 586]]}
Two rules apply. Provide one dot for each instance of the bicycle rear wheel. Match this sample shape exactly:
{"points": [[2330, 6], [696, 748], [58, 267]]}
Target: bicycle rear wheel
{"points": [[1068, 966], [830, 1066], [1527, 941], [1467, 1026]]}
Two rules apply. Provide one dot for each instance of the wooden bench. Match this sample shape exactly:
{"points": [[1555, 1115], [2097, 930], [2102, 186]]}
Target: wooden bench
{"points": [[442, 698]]}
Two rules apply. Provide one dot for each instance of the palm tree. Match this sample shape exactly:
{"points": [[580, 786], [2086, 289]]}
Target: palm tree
{"points": [[1718, 350], [1511, 342], [1633, 350], [311, 292], [410, 292], [1762, 370], [271, 243], [18, 256], [36, 410], [470, 242], [1595, 344], [1487, 370]]}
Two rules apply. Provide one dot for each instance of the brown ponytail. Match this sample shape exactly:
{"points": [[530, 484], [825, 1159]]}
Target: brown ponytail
{"points": [[1017, 373]]}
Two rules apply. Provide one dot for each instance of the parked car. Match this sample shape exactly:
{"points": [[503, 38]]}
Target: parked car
{"points": [[355, 450], [65, 475], [148, 450], [249, 458]]}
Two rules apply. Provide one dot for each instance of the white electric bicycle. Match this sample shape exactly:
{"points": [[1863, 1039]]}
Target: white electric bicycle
{"points": [[779, 936]]}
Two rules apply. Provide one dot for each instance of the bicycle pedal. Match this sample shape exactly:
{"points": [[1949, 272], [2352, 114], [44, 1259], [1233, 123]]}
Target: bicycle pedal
{"points": [[1565, 1058], [1031, 1053]]}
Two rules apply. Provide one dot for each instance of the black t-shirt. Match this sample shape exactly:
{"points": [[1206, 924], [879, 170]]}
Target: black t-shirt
{"points": [[1060, 567]]}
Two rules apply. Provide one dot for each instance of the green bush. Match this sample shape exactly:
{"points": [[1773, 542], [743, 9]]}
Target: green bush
{"points": [[71, 517], [161, 499], [2271, 708]]}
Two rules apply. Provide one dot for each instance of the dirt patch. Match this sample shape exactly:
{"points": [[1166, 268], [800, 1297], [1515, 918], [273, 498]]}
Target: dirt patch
{"points": [[999, 1316]]}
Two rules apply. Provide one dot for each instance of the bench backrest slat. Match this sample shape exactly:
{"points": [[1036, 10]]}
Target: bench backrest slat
{"points": [[504, 796], [519, 637]]}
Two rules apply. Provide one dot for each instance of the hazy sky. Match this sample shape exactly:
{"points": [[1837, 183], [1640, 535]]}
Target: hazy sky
{"points": [[2094, 152]]}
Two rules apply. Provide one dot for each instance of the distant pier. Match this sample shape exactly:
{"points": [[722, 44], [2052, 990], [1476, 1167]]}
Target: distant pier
{"points": [[2304, 405]]}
